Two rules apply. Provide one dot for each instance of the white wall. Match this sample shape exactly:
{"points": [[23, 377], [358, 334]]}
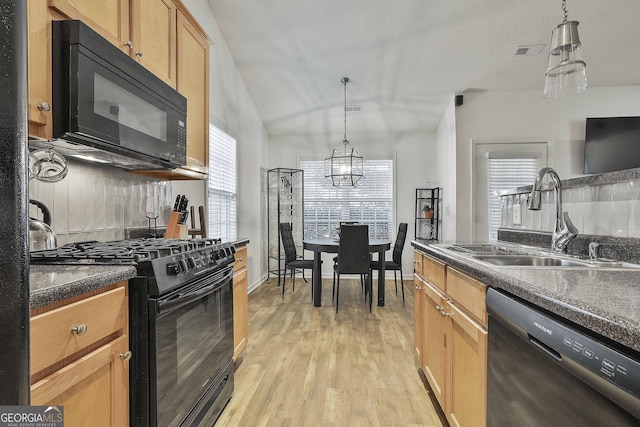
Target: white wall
{"points": [[446, 155], [416, 163], [232, 109], [526, 115]]}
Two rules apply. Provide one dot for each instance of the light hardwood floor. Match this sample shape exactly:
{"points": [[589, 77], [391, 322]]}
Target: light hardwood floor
{"points": [[307, 366]]}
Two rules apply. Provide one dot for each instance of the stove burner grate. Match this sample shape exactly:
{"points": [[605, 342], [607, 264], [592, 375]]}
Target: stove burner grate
{"points": [[118, 252]]}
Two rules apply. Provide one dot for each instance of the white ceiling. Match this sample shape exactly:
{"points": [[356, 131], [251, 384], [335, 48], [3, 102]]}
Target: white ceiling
{"points": [[406, 58]]}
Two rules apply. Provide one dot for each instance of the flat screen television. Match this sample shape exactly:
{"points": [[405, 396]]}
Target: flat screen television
{"points": [[611, 144]]}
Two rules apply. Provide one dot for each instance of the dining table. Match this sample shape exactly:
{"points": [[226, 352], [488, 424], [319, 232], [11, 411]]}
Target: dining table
{"points": [[331, 245]]}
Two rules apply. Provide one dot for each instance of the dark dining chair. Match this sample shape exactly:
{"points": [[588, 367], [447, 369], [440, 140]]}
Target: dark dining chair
{"points": [[335, 258], [291, 260], [396, 261], [353, 258]]}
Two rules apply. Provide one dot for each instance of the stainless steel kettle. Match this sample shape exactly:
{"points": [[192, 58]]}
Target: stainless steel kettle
{"points": [[41, 236]]}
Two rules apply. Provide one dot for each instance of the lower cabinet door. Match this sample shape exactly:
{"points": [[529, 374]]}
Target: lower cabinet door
{"points": [[434, 356], [418, 321], [93, 389], [240, 313], [466, 405]]}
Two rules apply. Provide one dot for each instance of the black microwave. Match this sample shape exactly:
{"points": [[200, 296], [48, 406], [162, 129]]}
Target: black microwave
{"points": [[108, 107]]}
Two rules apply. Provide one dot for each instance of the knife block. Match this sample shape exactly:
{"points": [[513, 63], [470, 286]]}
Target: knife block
{"points": [[173, 228]]}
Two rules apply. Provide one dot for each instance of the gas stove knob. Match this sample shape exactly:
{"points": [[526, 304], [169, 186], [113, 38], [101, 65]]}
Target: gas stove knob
{"points": [[173, 269], [183, 265]]}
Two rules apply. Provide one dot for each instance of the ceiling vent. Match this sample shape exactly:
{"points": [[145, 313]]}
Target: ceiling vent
{"points": [[529, 50], [353, 108]]}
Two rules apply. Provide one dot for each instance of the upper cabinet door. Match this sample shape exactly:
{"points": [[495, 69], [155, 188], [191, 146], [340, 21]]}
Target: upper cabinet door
{"points": [[153, 37], [110, 18], [193, 83]]}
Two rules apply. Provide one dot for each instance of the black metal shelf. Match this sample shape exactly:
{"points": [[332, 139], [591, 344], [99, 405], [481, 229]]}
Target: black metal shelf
{"points": [[428, 228]]}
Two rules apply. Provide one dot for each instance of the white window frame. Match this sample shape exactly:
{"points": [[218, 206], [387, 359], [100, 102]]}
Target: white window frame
{"points": [[222, 210], [483, 148], [325, 206]]}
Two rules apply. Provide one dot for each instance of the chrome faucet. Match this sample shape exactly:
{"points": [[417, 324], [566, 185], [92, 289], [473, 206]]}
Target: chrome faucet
{"points": [[564, 230]]}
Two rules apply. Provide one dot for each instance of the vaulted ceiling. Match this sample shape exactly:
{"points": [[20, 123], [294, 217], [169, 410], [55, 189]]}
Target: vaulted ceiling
{"points": [[407, 58]]}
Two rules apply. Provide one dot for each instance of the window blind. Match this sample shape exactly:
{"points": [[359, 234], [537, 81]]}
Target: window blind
{"points": [[505, 173], [221, 185], [371, 202]]}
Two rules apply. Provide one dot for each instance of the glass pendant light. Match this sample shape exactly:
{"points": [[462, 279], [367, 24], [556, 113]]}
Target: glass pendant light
{"points": [[345, 167], [566, 69]]}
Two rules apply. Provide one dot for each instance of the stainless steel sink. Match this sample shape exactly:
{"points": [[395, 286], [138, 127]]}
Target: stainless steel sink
{"points": [[485, 249], [511, 255], [530, 261]]}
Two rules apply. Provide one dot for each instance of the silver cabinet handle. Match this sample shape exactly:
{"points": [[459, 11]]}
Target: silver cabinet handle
{"points": [[80, 329], [239, 259], [128, 44], [139, 54], [44, 106], [439, 308], [418, 288], [443, 313], [126, 355]]}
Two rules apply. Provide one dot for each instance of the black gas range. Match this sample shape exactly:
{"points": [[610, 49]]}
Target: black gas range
{"points": [[181, 324]]}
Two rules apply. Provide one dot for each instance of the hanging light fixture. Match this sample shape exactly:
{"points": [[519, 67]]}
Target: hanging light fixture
{"points": [[345, 166], [566, 74]]}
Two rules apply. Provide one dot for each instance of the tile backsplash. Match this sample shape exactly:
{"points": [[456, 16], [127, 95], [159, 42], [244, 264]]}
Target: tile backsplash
{"points": [[97, 202], [611, 209]]}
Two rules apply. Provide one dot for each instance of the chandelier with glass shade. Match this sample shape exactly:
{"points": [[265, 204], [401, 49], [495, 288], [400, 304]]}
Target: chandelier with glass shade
{"points": [[345, 167]]}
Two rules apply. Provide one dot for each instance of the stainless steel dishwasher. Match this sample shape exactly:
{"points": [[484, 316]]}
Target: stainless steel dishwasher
{"points": [[544, 372]]}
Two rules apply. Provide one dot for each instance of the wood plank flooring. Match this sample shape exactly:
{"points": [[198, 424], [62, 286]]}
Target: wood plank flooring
{"points": [[307, 366]]}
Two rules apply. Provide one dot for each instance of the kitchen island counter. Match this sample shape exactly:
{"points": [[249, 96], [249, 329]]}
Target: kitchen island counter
{"points": [[53, 283], [604, 301]]}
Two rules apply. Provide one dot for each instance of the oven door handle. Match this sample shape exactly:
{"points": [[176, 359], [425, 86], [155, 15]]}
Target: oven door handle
{"points": [[165, 306]]}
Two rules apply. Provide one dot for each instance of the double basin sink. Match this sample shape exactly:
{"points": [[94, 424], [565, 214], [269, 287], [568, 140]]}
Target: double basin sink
{"points": [[513, 255]]}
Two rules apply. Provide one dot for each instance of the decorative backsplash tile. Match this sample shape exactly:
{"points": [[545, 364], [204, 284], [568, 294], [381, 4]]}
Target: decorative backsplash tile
{"points": [[611, 209], [96, 202]]}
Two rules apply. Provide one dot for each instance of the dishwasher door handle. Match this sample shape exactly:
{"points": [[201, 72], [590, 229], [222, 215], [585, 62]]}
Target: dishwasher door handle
{"points": [[545, 348]]}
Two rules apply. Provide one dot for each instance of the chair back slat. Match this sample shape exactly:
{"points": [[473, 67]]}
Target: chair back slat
{"points": [[288, 243], [353, 252], [399, 245]]}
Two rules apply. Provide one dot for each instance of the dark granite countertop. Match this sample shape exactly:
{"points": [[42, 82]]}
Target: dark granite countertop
{"points": [[52, 283], [604, 301]]}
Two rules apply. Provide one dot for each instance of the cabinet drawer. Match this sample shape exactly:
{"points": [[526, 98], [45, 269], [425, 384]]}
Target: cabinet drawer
{"points": [[433, 270], [417, 262], [468, 292], [52, 334], [241, 259]]}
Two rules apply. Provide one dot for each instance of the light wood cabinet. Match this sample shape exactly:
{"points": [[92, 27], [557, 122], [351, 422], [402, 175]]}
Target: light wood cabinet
{"points": [[454, 339], [153, 37], [240, 302], [40, 101], [418, 320], [467, 382], [110, 18], [160, 34], [434, 358], [193, 83], [144, 29], [79, 358]]}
